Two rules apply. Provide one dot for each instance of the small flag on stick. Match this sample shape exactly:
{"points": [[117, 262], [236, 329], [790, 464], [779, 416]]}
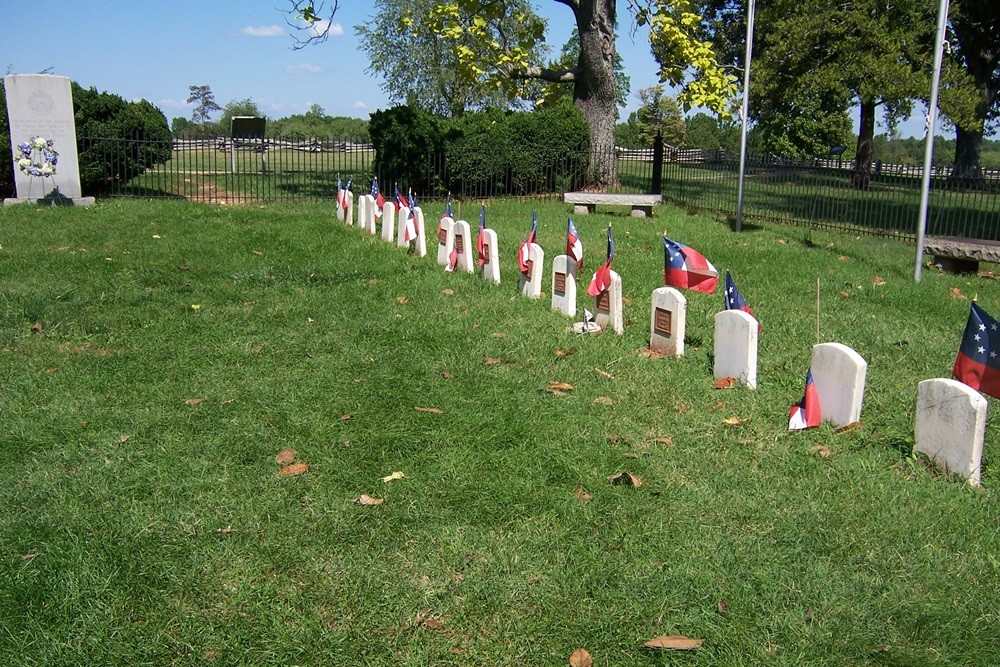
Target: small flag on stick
{"points": [[574, 247], [687, 268], [806, 413], [602, 277], [978, 361]]}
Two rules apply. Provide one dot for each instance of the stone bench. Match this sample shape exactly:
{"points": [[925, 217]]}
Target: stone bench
{"points": [[960, 255], [586, 202]]}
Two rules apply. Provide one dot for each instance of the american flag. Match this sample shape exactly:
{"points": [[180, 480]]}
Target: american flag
{"points": [[978, 361], [602, 278]]}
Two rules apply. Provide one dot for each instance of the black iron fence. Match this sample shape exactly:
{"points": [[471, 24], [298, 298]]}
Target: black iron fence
{"points": [[817, 192]]}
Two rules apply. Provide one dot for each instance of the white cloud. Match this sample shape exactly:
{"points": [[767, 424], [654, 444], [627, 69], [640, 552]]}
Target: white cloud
{"points": [[173, 104], [263, 31], [305, 68], [319, 27], [359, 105]]}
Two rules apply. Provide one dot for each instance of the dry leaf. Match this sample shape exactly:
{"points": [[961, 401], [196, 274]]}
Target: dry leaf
{"points": [[615, 438], [604, 374], [723, 607], [227, 401], [957, 293], [446, 375], [402, 299], [666, 442], [493, 361], [497, 334], [365, 499], [845, 295], [122, 438], [29, 556], [626, 478], [581, 494], [259, 253], [433, 411], [293, 469], [193, 401], [822, 450], [844, 258], [733, 421], [603, 400], [560, 352], [580, 658], [560, 386], [848, 427], [447, 291], [344, 417], [50, 371], [725, 383], [674, 642], [183, 267], [394, 476], [878, 282], [782, 241], [649, 353], [286, 455]]}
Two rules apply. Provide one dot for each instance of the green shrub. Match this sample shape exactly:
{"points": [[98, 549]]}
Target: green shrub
{"points": [[405, 139]]}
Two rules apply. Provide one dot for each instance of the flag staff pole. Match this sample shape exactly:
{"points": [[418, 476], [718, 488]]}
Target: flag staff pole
{"points": [[929, 140], [743, 114]]}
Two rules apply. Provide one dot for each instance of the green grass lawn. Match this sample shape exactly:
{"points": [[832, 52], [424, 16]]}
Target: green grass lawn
{"points": [[156, 356]]}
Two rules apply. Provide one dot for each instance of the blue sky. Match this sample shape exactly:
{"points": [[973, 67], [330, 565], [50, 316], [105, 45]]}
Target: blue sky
{"points": [[156, 50]]}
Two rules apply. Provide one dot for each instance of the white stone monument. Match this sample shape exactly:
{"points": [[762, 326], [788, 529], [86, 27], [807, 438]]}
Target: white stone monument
{"points": [[736, 347], [667, 321], [463, 245], [608, 306], [951, 426], [839, 375], [348, 212], [366, 214], [419, 244], [491, 269], [403, 213], [41, 105], [445, 240], [388, 222], [530, 284], [564, 270]]}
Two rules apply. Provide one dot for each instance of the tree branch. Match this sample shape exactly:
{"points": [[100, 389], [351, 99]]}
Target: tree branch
{"points": [[317, 28], [546, 74]]}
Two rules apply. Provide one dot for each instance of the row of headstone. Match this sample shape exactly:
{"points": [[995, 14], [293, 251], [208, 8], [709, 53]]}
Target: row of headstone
{"points": [[951, 416]]}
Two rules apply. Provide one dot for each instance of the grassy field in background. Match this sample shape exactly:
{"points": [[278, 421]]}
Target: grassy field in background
{"points": [[156, 356]]}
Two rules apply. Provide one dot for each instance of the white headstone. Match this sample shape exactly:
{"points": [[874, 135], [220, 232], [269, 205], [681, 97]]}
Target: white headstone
{"points": [[667, 321], [419, 244], [403, 213], [491, 269], [388, 222], [463, 245], [839, 375], [339, 208], [445, 240], [608, 306], [366, 214], [564, 270], [349, 211], [736, 347], [41, 105], [530, 284], [951, 426]]}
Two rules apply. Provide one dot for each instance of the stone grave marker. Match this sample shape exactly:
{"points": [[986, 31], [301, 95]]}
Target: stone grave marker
{"points": [[530, 284], [402, 213], [564, 271], [463, 245], [736, 347], [366, 214], [41, 105], [349, 211], [608, 306], [388, 222], [667, 321], [419, 244], [445, 240], [951, 426], [491, 269], [839, 374]]}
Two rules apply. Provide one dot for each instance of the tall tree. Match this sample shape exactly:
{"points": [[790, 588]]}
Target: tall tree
{"points": [[496, 62], [659, 114], [204, 101]]}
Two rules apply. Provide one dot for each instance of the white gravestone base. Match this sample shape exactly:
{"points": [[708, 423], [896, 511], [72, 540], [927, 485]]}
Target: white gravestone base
{"points": [[839, 375], [667, 322], [736, 347], [608, 307], [491, 269], [530, 284], [463, 244], [951, 426], [564, 272]]}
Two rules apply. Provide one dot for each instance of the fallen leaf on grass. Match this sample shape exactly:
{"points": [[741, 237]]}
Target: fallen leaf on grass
{"points": [[365, 499], [626, 478], [733, 421], [957, 293], [447, 291], [394, 476], [581, 658], [558, 388], [844, 258], [725, 383], [674, 642], [603, 400], [446, 375], [783, 241], [604, 374], [122, 438], [666, 442], [493, 361], [293, 470], [615, 439], [723, 607], [183, 267], [259, 253], [345, 417], [649, 353], [29, 556], [848, 427], [581, 493], [193, 401], [878, 282], [402, 299], [286, 455], [845, 295], [433, 411], [821, 450]]}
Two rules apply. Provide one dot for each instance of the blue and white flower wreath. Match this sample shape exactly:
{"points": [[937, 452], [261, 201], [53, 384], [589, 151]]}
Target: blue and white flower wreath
{"points": [[37, 157]]}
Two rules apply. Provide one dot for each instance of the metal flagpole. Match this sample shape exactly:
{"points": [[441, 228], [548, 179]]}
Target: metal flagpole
{"points": [[743, 114], [929, 141]]}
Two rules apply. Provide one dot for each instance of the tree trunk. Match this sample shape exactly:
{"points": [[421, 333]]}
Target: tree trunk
{"points": [[967, 172], [863, 156], [594, 91]]}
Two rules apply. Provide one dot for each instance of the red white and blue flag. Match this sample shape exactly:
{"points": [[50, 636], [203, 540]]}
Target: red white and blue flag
{"points": [[481, 257], [344, 200], [524, 250], [806, 413], [398, 198], [379, 199], [447, 208], [341, 194], [410, 230], [602, 278], [574, 247], [687, 268], [978, 361]]}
